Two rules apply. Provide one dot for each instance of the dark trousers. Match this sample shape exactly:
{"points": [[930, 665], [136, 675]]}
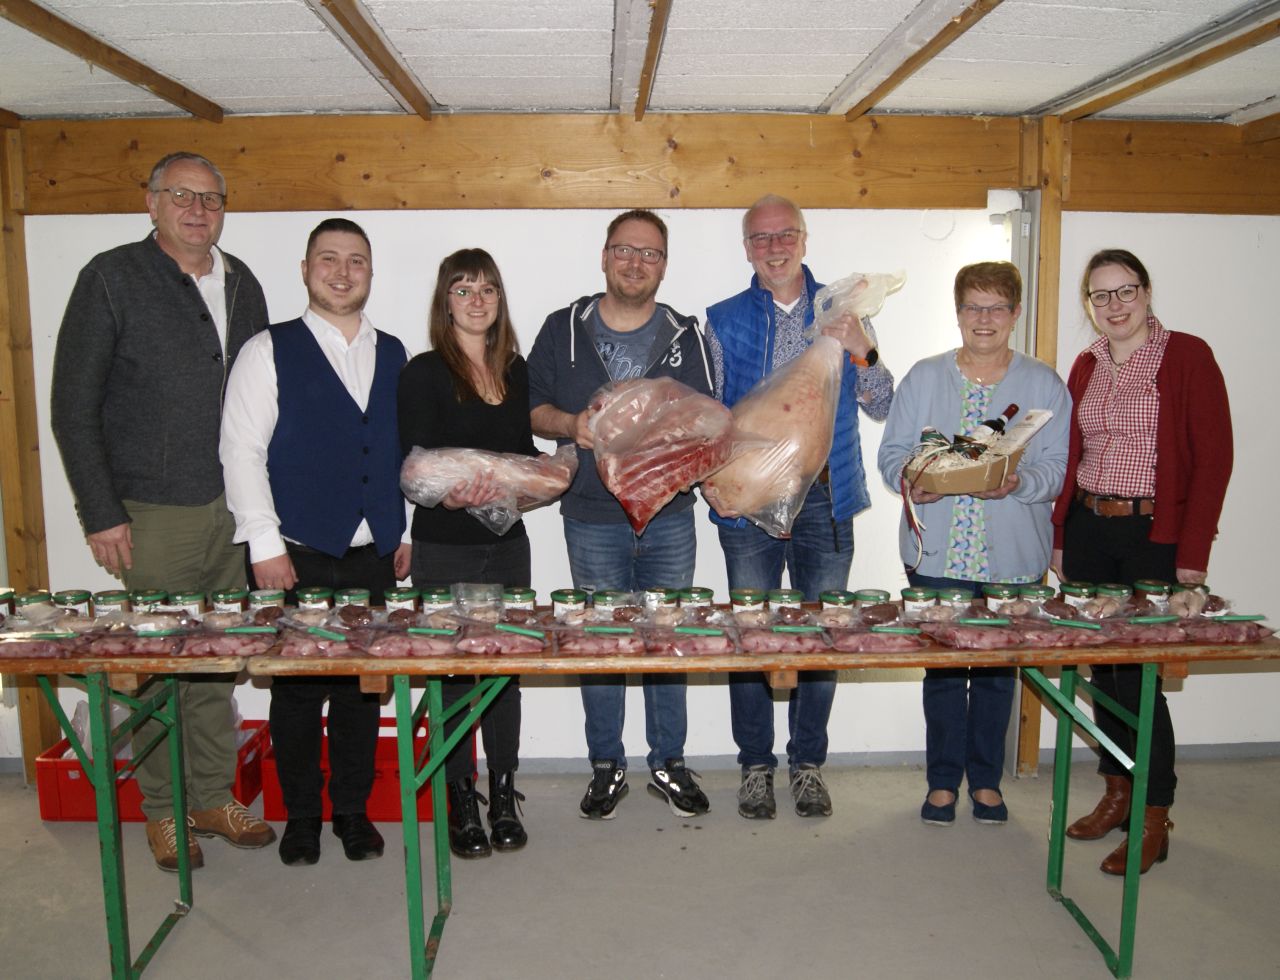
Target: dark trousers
{"points": [[297, 702], [506, 563], [1119, 549]]}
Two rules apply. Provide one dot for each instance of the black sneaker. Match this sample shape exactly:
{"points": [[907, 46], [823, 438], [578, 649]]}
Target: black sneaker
{"points": [[755, 795], [810, 791], [608, 787], [676, 785]]}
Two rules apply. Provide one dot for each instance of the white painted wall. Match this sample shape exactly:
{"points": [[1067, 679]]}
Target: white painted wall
{"points": [[549, 258]]}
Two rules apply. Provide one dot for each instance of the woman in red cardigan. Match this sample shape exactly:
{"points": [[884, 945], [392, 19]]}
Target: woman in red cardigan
{"points": [[1142, 396]]}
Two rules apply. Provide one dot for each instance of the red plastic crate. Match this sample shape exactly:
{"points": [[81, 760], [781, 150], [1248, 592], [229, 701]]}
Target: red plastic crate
{"points": [[384, 799], [65, 792]]}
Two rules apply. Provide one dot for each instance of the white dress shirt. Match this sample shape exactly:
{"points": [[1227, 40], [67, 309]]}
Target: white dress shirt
{"points": [[249, 415], [213, 290]]}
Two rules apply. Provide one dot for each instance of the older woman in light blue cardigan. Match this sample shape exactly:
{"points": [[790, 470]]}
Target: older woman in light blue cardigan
{"points": [[1002, 535]]}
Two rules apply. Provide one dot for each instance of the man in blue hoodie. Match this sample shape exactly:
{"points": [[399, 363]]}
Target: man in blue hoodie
{"points": [[619, 335], [754, 333]]}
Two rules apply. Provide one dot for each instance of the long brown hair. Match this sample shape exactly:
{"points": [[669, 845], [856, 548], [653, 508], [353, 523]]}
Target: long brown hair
{"points": [[501, 345]]}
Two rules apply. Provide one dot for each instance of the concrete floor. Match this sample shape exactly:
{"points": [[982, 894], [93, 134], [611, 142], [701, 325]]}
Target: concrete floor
{"points": [[870, 892]]}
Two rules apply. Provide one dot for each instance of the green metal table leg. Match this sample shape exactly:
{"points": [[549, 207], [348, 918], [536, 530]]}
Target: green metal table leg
{"points": [[102, 774], [1061, 785], [419, 967], [1133, 862]]}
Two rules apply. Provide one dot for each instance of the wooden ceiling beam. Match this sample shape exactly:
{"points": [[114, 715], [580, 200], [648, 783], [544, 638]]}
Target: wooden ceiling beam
{"points": [[1261, 130], [957, 26], [652, 54], [44, 24], [353, 25], [1179, 69], [9, 120]]}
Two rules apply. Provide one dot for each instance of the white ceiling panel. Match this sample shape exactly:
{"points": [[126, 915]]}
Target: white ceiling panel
{"points": [[1214, 92]]}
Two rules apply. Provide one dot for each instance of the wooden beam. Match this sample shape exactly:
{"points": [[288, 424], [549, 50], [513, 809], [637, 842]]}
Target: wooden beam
{"points": [[939, 42], [1261, 130], [20, 487], [1198, 168], [1179, 69], [652, 54], [297, 163], [353, 25], [43, 23], [9, 120]]}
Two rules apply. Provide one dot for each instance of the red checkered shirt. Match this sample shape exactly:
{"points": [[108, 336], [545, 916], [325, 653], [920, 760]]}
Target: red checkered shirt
{"points": [[1118, 417]]}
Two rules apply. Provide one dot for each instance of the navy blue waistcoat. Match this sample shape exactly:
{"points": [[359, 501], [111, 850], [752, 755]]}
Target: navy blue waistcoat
{"points": [[329, 463]]}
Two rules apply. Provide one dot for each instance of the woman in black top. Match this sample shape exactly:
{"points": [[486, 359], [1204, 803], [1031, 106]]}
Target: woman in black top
{"points": [[472, 391]]}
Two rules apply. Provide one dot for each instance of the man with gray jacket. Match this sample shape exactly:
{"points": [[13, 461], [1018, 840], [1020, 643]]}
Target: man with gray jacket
{"points": [[149, 335], [619, 335]]}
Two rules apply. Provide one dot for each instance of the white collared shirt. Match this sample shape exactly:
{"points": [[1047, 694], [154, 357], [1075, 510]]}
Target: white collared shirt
{"points": [[213, 290], [249, 416]]}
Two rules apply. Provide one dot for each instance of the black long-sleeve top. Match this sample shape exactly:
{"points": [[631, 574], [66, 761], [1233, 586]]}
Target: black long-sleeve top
{"points": [[431, 416]]}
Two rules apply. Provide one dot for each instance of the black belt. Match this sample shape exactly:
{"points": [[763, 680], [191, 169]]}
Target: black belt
{"points": [[1117, 506]]}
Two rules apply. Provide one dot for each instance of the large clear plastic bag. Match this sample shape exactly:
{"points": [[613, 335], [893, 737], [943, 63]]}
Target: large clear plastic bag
{"points": [[792, 412], [428, 475], [655, 437]]}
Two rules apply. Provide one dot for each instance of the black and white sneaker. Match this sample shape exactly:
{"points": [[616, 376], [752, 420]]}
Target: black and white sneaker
{"points": [[608, 787], [676, 785]]}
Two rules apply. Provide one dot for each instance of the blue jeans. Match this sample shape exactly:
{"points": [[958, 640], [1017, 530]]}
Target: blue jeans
{"points": [[966, 714], [613, 556], [817, 556]]}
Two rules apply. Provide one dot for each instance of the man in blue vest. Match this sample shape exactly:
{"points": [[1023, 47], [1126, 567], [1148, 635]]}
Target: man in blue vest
{"points": [[754, 333], [311, 455]]}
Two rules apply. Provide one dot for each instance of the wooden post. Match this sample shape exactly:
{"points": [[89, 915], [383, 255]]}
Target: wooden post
{"points": [[20, 487]]}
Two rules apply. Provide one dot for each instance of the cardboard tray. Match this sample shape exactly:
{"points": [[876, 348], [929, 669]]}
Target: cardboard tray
{"points": [[987, 472]]}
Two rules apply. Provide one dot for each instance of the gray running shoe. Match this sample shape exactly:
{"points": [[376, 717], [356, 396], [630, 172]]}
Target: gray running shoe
{"points": [[755, 795], [809, 791]]}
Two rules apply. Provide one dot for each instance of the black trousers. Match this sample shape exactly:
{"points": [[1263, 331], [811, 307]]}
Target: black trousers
{"points": [[506, 563], [1119, 549], [297, 702]]}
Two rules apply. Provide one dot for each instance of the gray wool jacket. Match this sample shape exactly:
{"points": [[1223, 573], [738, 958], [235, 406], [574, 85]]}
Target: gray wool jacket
{"points": [[138, 379]]}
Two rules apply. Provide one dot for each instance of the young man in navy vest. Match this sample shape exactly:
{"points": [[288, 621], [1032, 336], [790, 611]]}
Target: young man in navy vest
{"points": [[311, 455], [754, 333]]}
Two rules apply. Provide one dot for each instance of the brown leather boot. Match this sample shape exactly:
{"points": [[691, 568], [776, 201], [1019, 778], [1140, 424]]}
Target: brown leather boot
{"points": [[1112, 810], [1155, 842]]}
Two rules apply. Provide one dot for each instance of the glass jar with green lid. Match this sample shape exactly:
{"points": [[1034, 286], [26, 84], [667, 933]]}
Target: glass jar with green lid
{"points": [[1076, 593], [567, 601], [747, 600], [393, 599], [189, 600], [36, 597], [351, 597], [1113, 590], [660, 598], [1155, 592], [230, 600], [609, 599], [955, 597], [696, 596], [315, 597], [73, 600], [836, 599], [1037, 594], [436, 598], [916, 600], [262, 598], [146, 600], [520, 598], [870, 597], [6, 600], [785, 598], [999, 595], [110, 601]]}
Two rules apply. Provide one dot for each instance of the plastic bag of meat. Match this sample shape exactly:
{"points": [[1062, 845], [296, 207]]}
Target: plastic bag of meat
{"points": [[319, 641], [235, 641], [1231, 628], [877, 639], [1052, 633], [655, 437], [35, 646], [1145, 630], [688, 641], [793, 412], [781, 638], [599, 641], [415, 641], [993, 634], [501, 638], [428, 475]]}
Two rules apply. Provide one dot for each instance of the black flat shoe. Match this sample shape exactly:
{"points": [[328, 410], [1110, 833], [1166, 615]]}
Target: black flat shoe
{"points": [[991, 814], [360, 839], [300, 843]]}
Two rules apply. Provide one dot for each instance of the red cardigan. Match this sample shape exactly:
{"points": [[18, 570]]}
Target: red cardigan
{"points": [[1193, 448]]}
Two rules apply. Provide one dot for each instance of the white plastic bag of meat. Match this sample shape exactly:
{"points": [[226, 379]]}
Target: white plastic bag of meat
{"points": [[793, 410], [655, 437], [428, 475]]}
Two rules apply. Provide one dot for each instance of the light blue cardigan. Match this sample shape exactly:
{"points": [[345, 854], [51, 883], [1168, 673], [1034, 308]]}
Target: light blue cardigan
{"points": [[1019, 532]]}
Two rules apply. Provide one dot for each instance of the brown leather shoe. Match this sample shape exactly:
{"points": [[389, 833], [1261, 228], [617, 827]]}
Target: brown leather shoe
{"points": [[162, 836], [1155, 842], [234, 824], [1112, 810]]}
